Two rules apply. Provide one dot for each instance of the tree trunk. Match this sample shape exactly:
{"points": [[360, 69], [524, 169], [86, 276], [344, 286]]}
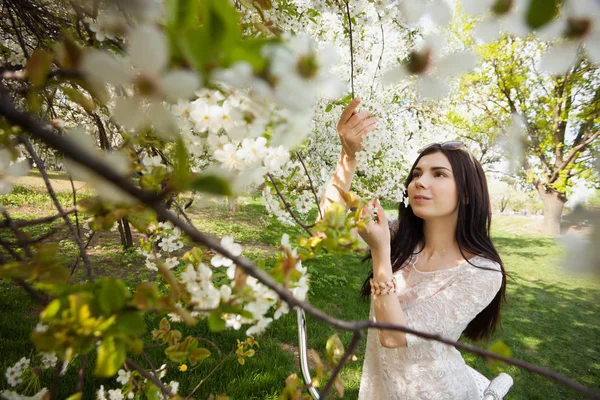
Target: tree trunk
{"points": [[233, 204], [553, 206]]}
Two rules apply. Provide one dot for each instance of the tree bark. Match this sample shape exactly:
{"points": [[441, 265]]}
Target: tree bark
{"points": [[554, 203], [233, 204]]}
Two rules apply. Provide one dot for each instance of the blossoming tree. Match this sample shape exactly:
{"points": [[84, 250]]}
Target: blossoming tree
{"points": [[147, 100]]}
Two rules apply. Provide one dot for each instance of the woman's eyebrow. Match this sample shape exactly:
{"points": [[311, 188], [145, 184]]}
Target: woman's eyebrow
{"points": [[432, 168]]}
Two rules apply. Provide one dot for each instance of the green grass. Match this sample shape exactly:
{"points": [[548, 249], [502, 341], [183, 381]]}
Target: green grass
{"points": [[551, 318]]}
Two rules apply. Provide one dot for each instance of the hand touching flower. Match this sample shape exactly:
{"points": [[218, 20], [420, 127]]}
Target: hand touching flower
{"points": [[377, 234]]}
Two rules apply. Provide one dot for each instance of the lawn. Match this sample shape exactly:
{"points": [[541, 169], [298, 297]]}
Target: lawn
{"points": [[551, 318]]}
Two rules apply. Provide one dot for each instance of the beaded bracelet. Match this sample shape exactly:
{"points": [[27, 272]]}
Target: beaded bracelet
{"points": [[383, 288]]}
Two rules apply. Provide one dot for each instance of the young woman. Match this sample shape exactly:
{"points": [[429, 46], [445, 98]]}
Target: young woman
{"points": [[435, 270]]}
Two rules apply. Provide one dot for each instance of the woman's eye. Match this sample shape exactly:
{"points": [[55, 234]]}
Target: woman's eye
{"points": [[440, 174]]}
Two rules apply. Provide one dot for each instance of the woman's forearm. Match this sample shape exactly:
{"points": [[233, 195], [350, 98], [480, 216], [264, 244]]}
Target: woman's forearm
{"points": [[387, 307], [342, 177]]}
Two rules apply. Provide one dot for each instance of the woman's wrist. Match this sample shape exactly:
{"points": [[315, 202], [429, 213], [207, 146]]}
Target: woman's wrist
{"points": [[347, 159], [382, 264]]}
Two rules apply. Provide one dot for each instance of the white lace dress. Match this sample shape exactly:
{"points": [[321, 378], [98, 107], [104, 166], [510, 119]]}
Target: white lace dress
{"points": [[441, 302]]}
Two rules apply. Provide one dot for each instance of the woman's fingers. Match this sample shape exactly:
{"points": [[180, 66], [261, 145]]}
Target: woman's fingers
{"points": [[370, 122], [347, 113], [357, 119]]}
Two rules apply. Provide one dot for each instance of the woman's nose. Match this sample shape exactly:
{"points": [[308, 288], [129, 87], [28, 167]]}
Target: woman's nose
{"points": [[421, 183]]}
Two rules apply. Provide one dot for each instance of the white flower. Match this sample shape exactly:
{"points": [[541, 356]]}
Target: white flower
{"points": [[206, 117], [13, 376], [174, 386], [9, 395], [147, 69], [7, 170], [115, 394], [108, 24], [172, 262], [49, 360], [40, 327], [162, 371], [260, 327], [580, 25], [253, 151], [509, 17], [123, 377], [235, 249], [228, 156], [275, 158], [225, 291], [431, 69], [100, 395]]}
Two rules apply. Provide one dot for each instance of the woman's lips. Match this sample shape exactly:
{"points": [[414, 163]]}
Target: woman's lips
{"points": [[421, 199]]}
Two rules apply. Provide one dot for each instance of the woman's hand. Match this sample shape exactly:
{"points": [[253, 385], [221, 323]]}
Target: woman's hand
{"points": [[353, 126], [377, 235]]}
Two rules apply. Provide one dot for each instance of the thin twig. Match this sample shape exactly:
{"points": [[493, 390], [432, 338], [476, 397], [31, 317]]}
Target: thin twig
{"points": [[380, 56], [152, 377], [20, 223], [312, 187], [209, 374], [89, 273], [287, 206], [351, 47], [349, 351]]}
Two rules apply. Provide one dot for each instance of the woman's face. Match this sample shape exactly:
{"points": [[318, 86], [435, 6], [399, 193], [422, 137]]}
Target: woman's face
{"points": [[432, 190]]}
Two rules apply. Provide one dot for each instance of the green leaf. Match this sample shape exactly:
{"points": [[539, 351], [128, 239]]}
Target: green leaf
{"points": [[329, 107], [181, 14], [334, 349], [79, 98], [500, 348], [51, 309], [111, 296], [38, 66], [131, 322], [541, 12], [198, 354], [111, 356], [211, 184], [196, 47], [75, 396], [215, 322]]}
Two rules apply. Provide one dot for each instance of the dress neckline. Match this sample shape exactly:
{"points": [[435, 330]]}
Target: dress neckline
{"points": [[445, 269]]}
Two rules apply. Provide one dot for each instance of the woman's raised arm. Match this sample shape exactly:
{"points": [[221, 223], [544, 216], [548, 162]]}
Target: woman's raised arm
{"points": [[351, 128]]}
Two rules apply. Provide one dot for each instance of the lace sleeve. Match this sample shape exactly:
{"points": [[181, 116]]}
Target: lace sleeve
{"points": [[455, 305]]}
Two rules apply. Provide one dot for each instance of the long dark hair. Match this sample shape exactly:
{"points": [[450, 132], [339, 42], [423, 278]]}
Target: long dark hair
{"points": [[472, 232]]}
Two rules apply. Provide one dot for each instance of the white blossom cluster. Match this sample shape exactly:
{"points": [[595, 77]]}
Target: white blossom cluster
{"points": [[14, 374], [127, 391], [10, 395], [169, 241]]}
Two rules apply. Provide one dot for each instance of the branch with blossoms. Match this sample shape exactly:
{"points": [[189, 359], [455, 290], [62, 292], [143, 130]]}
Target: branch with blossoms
{"points": [[237, 132], [43, 133]]}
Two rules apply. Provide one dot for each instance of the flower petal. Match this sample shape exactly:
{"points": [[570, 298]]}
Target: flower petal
{"points": [[592, 47], [487, 31], [163, 121], [394, 76], [456, 64], [432, 88], [180, 84], [128, 113], [559, 59], [104, 67], [148, 49]]}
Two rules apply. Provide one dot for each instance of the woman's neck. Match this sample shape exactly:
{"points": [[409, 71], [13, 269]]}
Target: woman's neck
{"points": [[440, 238]]}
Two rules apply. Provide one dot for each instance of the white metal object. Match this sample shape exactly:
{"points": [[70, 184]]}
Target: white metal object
{"points": [[495, 389]]}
